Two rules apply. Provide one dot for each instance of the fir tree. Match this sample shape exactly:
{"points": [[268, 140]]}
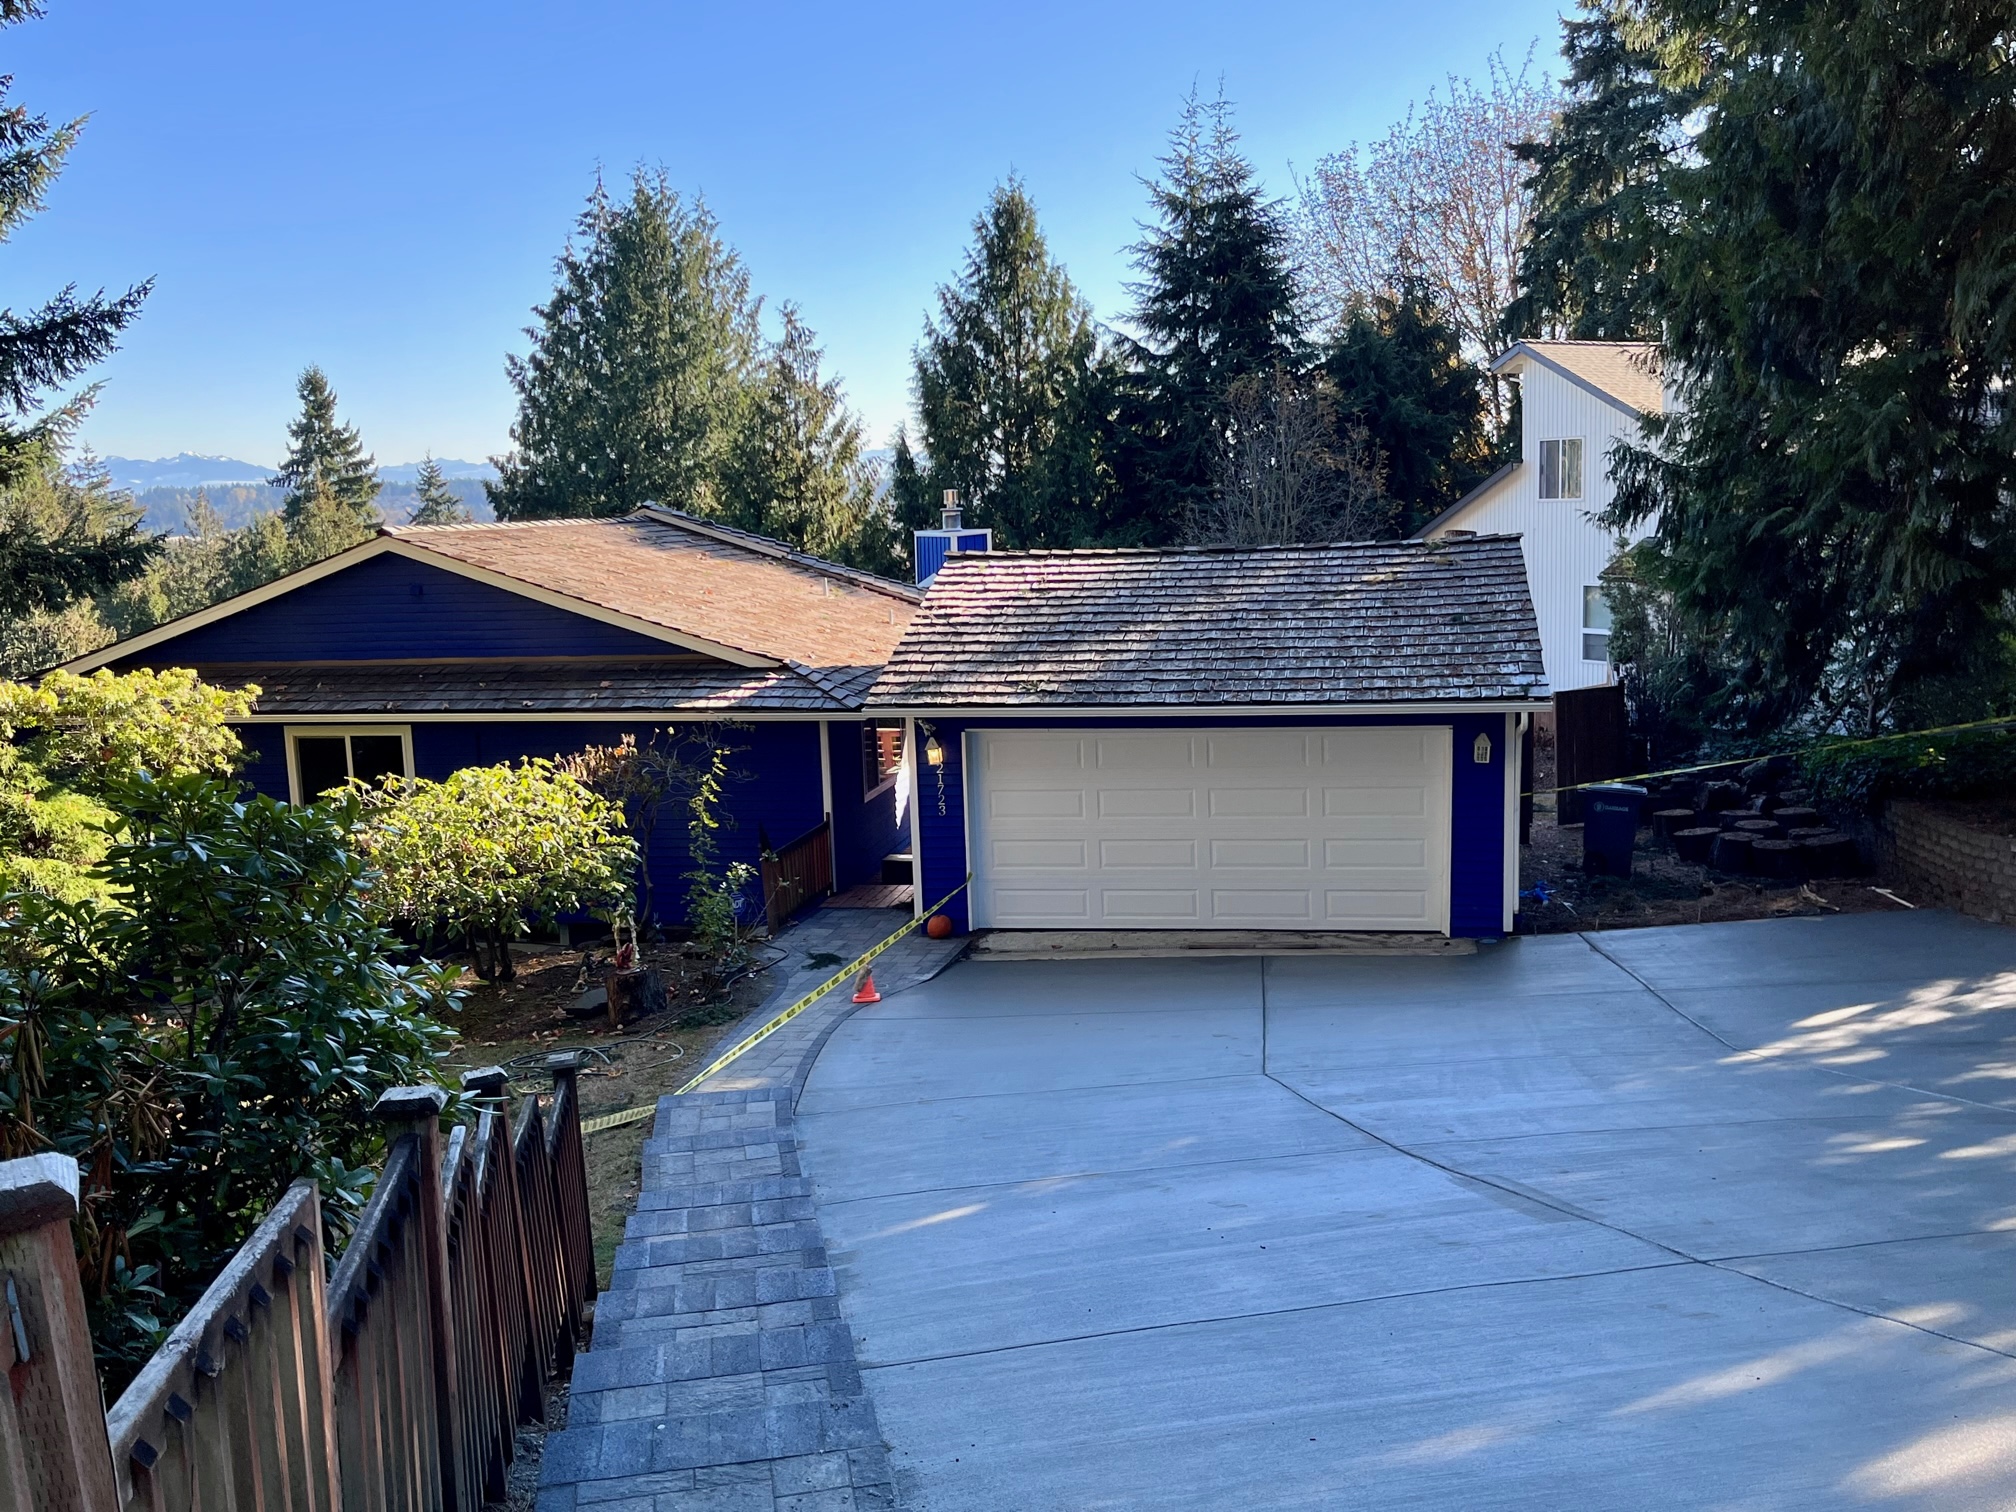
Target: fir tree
{"points": [[638, 380], [1836, 489], [1597, 185], [795, 470], [330, 481], [1007, 383], [1216, 301], [434, 503], [54, 561], [1398, 370]]}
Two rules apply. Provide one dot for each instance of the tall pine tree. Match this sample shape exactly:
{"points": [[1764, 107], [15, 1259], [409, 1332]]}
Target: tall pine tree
{"points": [[1836, 295], [1009, 384], [795, 469], [49, 560], [331, 483], [434, 503], [639, 376], [1598, 185], [1397, 368], [1216, 301]]}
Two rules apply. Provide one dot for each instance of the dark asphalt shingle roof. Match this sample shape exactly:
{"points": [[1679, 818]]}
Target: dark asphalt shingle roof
{"points": [[1370, 623], [671, 685]]}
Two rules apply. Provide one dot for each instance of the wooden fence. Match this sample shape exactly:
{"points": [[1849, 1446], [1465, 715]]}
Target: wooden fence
{"points": [[398, 1385], [1592, 743], [797, 873]]}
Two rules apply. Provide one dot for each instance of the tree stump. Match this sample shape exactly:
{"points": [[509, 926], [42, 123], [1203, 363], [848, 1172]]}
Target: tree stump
{"points": [[1717, 796], [1795, 816], [1776, 858], [1667, 821], [1732, 852], [1695, 844], [1761, 829], [1831, 855], [636, 992]]}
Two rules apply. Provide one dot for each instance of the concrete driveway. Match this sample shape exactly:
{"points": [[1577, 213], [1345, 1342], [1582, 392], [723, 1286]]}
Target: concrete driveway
{"points": [[1712, 1217]]}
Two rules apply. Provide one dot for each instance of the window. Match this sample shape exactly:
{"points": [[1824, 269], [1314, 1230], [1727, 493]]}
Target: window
{"points": [[881, 756], [321, 757], [1595, 624], [1561, 469]]}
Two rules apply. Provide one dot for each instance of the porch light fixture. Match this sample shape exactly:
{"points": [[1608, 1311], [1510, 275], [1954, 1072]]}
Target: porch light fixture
{"points": [[934, 753]]}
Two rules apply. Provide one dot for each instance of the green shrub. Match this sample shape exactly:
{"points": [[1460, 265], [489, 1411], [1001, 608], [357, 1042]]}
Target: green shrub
{"points": [[218, 1021], [479, 854], [1959, 764]]}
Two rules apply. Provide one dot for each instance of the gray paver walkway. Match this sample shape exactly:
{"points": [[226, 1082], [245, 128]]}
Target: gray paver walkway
{"points": [[722, 1378]]}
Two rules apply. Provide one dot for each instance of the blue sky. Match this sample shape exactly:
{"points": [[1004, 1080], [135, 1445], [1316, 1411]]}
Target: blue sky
{"points": [[381, 188]]}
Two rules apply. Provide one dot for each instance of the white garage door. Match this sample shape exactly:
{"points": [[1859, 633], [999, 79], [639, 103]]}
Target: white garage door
{"points": [[1210, 829]]}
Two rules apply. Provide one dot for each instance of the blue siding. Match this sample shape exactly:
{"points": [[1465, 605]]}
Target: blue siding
{"points": [[265, 759], [1477, 818], [864, 829], [391, 608]]}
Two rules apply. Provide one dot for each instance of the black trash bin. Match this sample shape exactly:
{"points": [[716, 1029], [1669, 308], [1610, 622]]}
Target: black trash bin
{"points": [[1610, 813]]}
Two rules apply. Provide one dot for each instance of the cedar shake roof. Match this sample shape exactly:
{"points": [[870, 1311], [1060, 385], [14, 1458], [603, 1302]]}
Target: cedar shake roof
{"points": [[693, 577], [564, 686], [1216, 627], [1627, 371]]}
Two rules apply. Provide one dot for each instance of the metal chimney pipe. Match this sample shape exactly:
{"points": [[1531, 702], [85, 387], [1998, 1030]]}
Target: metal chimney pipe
{"points": [[949, 517]]}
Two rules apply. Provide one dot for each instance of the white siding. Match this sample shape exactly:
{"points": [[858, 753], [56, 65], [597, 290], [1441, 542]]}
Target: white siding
{"points": [[1565, 549]]}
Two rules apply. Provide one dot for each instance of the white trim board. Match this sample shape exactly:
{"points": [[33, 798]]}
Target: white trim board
{"points": [[403, 731], [560, 716], [395, 546], [1209, 711]]}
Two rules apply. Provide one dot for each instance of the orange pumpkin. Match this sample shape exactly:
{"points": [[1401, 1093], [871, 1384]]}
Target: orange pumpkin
{"points": [[939, 927]]}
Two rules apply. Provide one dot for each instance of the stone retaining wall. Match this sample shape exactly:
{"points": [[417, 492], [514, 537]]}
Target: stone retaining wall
{"points": [[1935, 859]]}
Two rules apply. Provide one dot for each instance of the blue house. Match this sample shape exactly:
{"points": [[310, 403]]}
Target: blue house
{"points": [[429, 649], [1279, 738]]}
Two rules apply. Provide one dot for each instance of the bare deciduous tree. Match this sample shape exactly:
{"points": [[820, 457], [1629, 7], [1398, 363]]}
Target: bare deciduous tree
{"points": [[1287, 474], [1439, 198]]}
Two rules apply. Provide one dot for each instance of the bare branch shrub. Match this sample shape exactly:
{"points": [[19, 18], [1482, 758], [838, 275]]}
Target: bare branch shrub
{"points": [[1285, 472]]}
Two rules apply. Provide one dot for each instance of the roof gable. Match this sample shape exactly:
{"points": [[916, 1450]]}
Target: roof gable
{"points": [[1373, 623], [1621, 373]]}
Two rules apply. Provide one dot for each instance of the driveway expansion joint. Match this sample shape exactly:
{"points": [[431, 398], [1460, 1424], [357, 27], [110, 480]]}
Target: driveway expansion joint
{"points": [[722, 1373]]}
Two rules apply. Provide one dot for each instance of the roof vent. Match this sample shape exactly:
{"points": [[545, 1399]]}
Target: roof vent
{"points": [[949, 516]]}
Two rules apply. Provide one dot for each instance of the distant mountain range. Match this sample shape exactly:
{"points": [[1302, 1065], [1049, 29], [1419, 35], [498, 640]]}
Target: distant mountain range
{"points": [[193, 470]]}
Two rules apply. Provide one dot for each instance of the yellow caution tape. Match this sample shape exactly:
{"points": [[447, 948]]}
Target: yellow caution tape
{"points": [[1818, 745], [612, 1120]]}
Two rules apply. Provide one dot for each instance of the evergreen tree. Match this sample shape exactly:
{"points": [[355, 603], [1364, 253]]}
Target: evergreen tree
{"points": [[1216, 301], [434, 503], [1007, 383], [330, 480], [795, 470], [58, 523], [55, 560], [1597, 185], [638, 380], [1397, 368], [1836, 492]]}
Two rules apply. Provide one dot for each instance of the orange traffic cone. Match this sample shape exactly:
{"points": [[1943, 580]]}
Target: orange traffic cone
{"points": [[866, 993]]}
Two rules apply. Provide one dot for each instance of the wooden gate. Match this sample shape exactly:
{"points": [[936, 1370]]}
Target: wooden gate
{"points": [[1592, 743]]}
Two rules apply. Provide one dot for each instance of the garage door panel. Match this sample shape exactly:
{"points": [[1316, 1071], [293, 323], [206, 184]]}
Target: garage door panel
{"points": [[1341, 854], [1157, 853], [1349, 802], [1397, 909], [1147, 803], [1243, 803], [1027, 904], [1051, 854], [1330, 829], [1254, 751], [1037, 803], [1271, 853], [1149, 906], [1145, 753], [1259, 905]]}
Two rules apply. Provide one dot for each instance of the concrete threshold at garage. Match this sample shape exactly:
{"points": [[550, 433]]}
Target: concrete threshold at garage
{"points": [[1149, 944]]}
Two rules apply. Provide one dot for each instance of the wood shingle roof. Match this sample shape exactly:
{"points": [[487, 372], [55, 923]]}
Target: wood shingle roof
{"points": [[1370, 623]]}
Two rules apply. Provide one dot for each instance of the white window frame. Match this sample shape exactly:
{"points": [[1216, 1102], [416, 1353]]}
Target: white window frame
{"points": [[289, 733], [1589, 629], [877, 789], [1561, 445]]}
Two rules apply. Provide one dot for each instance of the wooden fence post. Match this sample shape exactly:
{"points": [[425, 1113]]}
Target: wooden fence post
{"points": [[417, 1110], [491, 1085], [54, 1454]]}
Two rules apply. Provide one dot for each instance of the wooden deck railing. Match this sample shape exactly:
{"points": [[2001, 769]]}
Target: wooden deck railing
{"points": [[795, 874], [460, 1294]]}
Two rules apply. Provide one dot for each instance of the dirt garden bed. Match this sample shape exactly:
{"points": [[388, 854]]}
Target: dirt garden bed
{"points": [[517, 1024]]}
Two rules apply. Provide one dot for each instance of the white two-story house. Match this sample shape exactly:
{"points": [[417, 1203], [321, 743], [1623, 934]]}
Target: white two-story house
{"points": [[1576, 399]]}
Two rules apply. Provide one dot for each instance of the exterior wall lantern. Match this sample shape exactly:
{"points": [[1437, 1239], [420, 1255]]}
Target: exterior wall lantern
{"points": [[1480, 750]]}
